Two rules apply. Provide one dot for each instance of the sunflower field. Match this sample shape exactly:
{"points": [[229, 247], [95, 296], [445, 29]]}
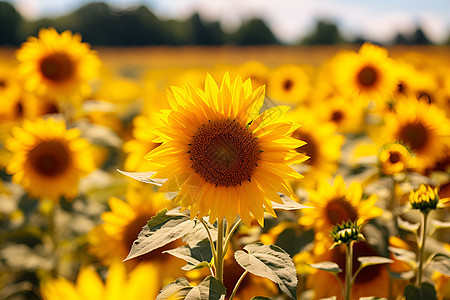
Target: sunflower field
{"points": [[223, 172]]}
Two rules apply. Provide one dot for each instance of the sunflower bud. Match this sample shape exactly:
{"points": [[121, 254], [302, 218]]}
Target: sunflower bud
{"points": [[346, 232], [425, 198]]}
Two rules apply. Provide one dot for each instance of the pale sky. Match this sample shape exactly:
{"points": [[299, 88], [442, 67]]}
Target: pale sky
{"points": [[289, 19]]}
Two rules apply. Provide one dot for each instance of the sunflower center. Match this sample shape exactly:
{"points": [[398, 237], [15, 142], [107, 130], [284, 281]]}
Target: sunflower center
{"points": [[367, 76], [339, 210], [310, 148], [415, 135], [224, 153], [2, 83], [50, 158], [288, 84], [57, 67], [337, 116], [394, 157]]}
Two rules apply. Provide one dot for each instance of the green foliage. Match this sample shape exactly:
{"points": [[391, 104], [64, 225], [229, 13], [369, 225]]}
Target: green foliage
{"points": [[373, 260], [209, 289], [165, 227], [440, 263], [197, 257], [425, 292], [272, 262], [328, 266]]}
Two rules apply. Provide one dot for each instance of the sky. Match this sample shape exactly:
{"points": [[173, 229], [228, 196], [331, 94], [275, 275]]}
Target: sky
{"points": [[290, 20]]}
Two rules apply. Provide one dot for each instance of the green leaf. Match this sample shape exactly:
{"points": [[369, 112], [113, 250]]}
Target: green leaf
{"points": [[440, 225], [288, 204], [198, 233], [328, 266], [292, 242], [176, 290], [260, 298], [197, 256], [440, 263], [144, 177], [407, 226], [209, 289], [425, 292], [403, 255], [165, 227], [272, 262], [373, 260], [404, 275]]}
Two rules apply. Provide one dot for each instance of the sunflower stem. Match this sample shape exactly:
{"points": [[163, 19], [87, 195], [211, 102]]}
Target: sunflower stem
{"points": [[423, 236], [220, 251], [230, 234], [348, 270], [238, 283]]}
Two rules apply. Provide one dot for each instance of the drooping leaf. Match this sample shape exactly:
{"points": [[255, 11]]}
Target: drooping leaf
{"points": [[176, 290], [198, 233], [165, 227], [440, 263], [288, 204], [425, 292], [407, 226], [272, 262], [403, 255], [195, 256], [440, 225], [292, 242], [209, 289], [373, 260], [144, 177], [328, 266]]}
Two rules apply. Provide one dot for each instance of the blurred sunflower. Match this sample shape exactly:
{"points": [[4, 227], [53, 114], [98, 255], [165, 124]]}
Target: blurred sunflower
{"points": [[256, 71], [10, 93], [334, 204], [368, 73], [420, 126], [288, 84], [47, 159], [113, 239], [323, 145], [371, 281], [138, 284], [221, 155], [56, 64]]}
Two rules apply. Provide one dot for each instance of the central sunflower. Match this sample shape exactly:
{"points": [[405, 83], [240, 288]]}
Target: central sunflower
{"points": [[221, 155]]}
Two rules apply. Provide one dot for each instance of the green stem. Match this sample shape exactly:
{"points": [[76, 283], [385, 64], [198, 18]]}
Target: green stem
{"points": [[220, 251], [340, 283], [348, 270], [238, 284], [230, 234], [423, 236], [211, 241]]}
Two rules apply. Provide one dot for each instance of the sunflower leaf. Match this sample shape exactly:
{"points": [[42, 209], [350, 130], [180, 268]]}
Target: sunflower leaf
{"points": [[425, 292], [440, 225], [288, 204], [209, 289], [373, 260], [407, 226], [175, 290], [272, 262], [328, 266], [403, 255], [403, 275], [197, 257], [440, 263], [144, 177], [199, 233], [260, 298], [165, 227]]}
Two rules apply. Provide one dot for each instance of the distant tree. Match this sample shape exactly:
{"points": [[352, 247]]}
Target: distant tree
{"points": [[400, 39], [325, 33], [420, 38], [254, 32], [10, 21], [203, 33]]}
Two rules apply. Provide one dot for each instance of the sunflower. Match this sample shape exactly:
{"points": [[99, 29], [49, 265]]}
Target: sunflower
{"points": [[113, 239], [368, 74], [47, 159], [323, 145], [288, 84], [371, 281], [334, 204], [221, 155], [256, 71], [138, 284], [10, 93], [394, 159], [56, 64], [420, 126]]}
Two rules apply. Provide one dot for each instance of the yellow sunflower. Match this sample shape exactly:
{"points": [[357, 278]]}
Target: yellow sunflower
{"points": [[288, 84], [323, 145], [371, 281], [221, 155], [10, 94], [334, 204], [113, 239], [368, 74], [420, 126], [47, 159], [138, 284], [256, 71], [56, 64]]}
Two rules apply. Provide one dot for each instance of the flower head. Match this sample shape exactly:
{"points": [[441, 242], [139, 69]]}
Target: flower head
{"points": [[346, 232], [424, 198], [393, 158]]}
